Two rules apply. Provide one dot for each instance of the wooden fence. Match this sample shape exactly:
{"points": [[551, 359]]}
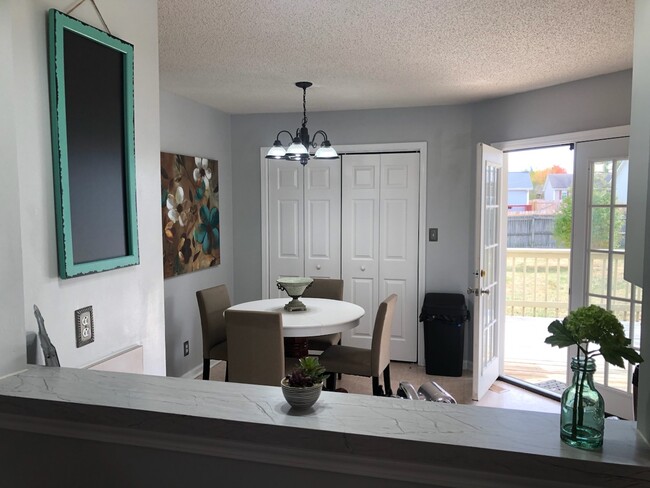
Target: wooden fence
{"points": [[531, 231]]}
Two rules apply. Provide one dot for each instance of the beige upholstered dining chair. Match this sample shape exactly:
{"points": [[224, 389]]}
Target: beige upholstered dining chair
{"points": [[364, 362], [333, 290], [212, 303], [255, 347]]}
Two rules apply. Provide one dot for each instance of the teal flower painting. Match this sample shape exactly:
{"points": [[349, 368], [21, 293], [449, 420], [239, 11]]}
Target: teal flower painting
{"points": [[190, 213]]}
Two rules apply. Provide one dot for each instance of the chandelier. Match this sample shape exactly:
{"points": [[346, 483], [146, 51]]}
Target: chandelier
{"points": [[298, 150]]}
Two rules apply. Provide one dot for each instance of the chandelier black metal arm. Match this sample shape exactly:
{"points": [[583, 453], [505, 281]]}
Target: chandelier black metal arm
{"points": [[299, 148], [277, 138]]}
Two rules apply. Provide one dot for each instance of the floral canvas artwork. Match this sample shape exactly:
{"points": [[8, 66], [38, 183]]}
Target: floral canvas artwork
{"points": [[190, 213]]}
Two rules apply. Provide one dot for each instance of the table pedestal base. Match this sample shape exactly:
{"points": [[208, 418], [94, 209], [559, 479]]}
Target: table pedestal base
{"points": [[296, 347]]}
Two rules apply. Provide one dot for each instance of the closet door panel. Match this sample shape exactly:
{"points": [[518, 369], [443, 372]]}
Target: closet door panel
{"points": [[286, 225], [323, 218], [360, 240], [398, 244]]}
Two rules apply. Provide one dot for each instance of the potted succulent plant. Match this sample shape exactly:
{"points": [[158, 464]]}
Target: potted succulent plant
{"points": [[302, 387], [582, 416]]}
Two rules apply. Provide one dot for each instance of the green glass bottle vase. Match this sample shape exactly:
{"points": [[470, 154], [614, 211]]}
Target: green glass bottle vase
{"points": [[582, 415]]}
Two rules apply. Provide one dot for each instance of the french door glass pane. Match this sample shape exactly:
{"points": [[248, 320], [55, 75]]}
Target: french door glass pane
{"points": [[601, 188], [622, 173], [620, 218], [600, 227], [598, 263], [620, 287]]}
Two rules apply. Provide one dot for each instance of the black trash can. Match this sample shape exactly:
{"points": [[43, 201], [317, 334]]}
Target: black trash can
{"points": [[444, 316]]}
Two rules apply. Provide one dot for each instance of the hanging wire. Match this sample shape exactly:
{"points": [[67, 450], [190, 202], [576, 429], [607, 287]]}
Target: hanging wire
{"points": [[101, 17]]}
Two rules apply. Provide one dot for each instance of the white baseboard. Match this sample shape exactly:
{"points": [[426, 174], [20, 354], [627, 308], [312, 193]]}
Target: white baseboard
{"points": [[198, 371]]}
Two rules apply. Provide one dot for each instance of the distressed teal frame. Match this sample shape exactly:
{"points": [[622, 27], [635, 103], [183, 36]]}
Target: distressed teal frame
{"points": [[58, 22]]}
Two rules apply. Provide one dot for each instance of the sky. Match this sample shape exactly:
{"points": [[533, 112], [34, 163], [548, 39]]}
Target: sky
{"points": [[541, 158]]}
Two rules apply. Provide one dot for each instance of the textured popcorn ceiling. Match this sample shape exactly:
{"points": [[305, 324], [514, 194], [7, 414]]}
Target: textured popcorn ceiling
{"points": [[243, 56]]}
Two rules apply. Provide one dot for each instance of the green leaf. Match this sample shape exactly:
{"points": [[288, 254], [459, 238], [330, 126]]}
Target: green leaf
{"points": [[616, 353], [560, 335], [200, 191], [612, 354]]}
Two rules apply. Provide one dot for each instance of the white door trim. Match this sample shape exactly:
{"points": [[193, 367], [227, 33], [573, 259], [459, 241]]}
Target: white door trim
{"points": [[422, 224]]}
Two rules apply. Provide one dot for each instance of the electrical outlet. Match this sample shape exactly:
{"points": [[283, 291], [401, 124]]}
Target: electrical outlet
{"points": [[84, 326], [433, 234], [186, 348]]}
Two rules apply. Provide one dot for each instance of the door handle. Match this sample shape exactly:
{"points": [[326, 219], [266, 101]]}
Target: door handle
{"points": [[363, 268], [477, 291], [318, 266]]}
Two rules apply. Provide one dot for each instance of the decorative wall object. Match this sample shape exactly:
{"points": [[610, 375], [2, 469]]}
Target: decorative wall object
{"points": [[93, 152], [190, 213]]}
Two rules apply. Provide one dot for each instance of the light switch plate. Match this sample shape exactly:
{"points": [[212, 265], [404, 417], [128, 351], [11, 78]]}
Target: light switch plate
{"points": [[433, 234], [84, 325]]}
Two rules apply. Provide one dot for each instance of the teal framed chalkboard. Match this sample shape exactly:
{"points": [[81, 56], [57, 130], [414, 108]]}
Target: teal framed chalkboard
{"points": [[93, 151]]}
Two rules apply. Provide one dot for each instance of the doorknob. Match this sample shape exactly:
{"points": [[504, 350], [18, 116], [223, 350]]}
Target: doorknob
{"points": [[318, 266], [363, 268], [477, 291]]}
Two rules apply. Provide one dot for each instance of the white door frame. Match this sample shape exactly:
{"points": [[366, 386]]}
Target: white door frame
{"points": [[576, 296], [422, 222]]}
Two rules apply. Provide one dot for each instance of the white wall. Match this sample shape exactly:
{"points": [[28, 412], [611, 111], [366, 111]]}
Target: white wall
{"points": [[639, 146], [192, 129], [639, 162], [12, 334], [127, 303]]}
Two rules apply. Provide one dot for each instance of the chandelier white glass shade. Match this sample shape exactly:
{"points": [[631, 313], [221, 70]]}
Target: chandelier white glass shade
{"points": [[298, 150]]}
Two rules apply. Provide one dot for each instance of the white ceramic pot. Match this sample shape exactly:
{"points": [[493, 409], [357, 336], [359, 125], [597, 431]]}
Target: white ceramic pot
{"points": [[301, 397]]}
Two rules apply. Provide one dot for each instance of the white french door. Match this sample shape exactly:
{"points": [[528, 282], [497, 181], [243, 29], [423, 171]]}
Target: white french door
{"points": [[379, 256], [602, 169], [489, 272]]}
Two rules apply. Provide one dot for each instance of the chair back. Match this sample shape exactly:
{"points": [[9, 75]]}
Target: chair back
{"points": [[212, 303], [380, 349], [255, 347], [325, 288]]}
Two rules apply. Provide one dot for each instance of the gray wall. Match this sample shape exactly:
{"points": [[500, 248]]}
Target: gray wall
{"points": [[128, 302], [447, 131], [592, 103], [192, 129]]}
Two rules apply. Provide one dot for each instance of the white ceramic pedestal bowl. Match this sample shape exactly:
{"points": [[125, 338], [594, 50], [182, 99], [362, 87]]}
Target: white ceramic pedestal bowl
{"points": [[295, 286]]}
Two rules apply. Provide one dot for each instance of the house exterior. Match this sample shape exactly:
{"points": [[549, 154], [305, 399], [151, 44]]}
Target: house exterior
{"points": [[557, 187], [519, 187]]}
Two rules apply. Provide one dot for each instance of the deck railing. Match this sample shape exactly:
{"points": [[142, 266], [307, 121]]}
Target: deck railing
{"points": [[537, 282]]}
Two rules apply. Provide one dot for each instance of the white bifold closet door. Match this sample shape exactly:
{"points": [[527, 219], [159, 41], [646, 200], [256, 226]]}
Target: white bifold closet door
{"points": [[304, 211], [379, 251]]}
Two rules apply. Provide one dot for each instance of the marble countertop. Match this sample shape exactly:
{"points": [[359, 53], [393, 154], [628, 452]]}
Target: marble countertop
{"points": [[504, 442]]}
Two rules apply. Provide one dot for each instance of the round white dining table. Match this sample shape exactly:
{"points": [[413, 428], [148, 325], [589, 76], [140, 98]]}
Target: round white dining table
{"points": [[322, 316]]}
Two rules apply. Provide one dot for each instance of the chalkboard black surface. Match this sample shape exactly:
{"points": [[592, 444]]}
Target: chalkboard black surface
{"points": [[91, 97], [94, 75]]}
